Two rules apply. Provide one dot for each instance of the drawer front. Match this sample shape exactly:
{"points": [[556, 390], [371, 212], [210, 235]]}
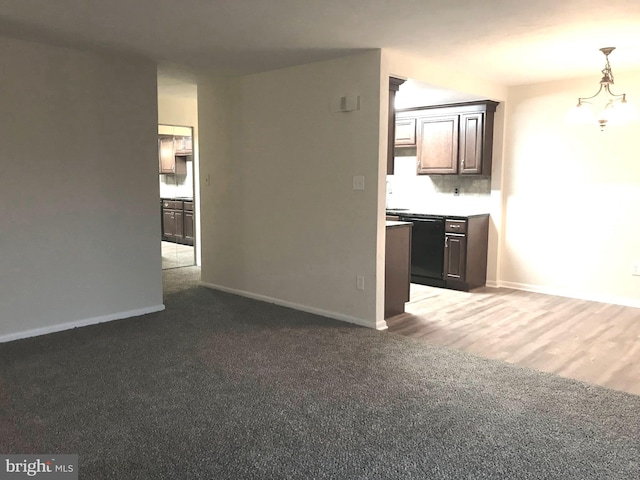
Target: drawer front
{"points": [[188, 206], [455, 226], [173, 204]]}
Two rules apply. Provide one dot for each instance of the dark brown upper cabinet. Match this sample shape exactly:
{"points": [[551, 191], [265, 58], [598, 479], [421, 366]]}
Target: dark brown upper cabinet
{"points": [[452, 139], [170, 160], [437, 144], [405, 132], [472, 157], [183, 145], [394, 86]]}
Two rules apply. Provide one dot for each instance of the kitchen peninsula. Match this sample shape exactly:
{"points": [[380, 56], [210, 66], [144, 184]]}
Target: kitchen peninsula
{"points": [[397, 267]]}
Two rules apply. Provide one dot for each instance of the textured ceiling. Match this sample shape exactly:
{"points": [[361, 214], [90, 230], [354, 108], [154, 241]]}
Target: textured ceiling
{"points": [[511, 42]]}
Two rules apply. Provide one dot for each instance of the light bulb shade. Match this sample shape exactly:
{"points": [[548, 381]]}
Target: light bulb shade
{"points": [[618, 113], [581, 114], [626, 111], [608, 115]]}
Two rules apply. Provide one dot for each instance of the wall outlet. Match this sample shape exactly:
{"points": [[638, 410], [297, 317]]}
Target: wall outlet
{"points": [[456, 191], [360, 282], [635, 269]]}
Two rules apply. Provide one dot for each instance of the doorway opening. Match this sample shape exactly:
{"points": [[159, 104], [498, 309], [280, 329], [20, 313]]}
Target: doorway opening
{"points": [[177, 195]]}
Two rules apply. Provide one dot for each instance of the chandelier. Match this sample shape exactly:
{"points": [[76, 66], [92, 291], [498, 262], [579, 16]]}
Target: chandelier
{"points": [[616, 109]]}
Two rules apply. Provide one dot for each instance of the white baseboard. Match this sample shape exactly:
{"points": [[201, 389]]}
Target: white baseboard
{"points": [[79, 323], [627, 302], [296, 306]]}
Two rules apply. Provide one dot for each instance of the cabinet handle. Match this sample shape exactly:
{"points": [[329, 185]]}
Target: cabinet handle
{"points": [[446, 242], [454, 226]]}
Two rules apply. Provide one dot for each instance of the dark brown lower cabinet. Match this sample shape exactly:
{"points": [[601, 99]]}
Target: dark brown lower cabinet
{"points": [[188, 223], [172, 220], [455, 256], [397, 272], [177, 221], [465, 252]]}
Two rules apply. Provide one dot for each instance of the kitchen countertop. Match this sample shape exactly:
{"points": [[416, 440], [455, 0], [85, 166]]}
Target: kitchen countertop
{"points": [[395, 223], [438, 212]]}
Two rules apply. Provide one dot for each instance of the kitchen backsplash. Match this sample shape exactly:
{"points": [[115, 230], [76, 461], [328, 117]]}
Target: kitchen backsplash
{"points": [[407, 189], [172, 186]]}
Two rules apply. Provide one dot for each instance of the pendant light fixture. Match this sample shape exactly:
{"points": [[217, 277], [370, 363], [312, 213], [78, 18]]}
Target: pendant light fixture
{"points": [[616, 109]]}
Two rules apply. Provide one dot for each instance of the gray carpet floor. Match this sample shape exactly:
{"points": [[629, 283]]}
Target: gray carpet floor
{"points": [[222, 387]]}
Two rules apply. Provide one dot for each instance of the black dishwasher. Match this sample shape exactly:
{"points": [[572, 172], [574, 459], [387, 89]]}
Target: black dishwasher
{"points": [[427, 249]]}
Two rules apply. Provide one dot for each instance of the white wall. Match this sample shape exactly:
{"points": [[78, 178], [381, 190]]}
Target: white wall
{"points": [[79, 203], [281, 220], [572, 195]]}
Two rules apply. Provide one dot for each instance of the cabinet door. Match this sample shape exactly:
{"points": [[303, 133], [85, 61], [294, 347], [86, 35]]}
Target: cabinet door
{"points": [[394, 86], [405, 132], [184, 145], [179, 216], [438, 144], [168, 224], [471, 142], [188, 227], [166, 154], [455, 257]]}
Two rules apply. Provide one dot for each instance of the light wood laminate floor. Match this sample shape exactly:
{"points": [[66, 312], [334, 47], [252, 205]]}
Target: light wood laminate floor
{"points": [[590, 341], [175, 255]]}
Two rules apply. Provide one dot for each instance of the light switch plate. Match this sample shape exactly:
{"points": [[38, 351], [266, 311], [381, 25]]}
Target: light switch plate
{"points": [[358, 182]]}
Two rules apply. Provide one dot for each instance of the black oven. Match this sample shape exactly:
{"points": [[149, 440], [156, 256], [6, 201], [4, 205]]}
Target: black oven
{"points": [[427, 249]]}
